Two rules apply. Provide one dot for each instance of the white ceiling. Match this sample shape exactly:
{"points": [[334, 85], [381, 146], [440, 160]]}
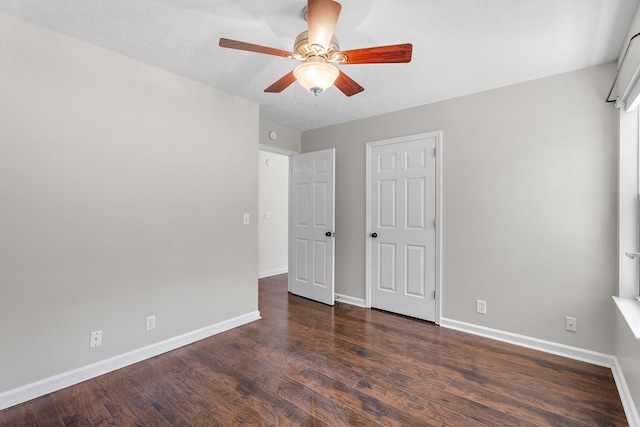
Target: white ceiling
{"points": [[459, 46]]}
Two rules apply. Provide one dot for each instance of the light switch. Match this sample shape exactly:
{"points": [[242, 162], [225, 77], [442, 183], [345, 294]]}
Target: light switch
{"points": [[246, 220]]}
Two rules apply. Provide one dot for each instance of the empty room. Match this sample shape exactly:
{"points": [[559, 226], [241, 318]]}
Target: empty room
{"points": [[310, 212]]}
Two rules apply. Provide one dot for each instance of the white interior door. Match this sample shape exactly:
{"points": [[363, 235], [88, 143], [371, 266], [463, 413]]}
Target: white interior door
{"points": [[402, 219], [312, 249]]}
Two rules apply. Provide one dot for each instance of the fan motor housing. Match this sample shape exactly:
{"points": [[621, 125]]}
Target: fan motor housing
{"points": [[304, 50]]}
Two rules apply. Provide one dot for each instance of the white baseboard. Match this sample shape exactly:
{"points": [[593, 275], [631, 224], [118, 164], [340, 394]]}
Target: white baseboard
{"points": [[272, 273], [625, 395], [350, 300], [66, 379], [575, 353]]}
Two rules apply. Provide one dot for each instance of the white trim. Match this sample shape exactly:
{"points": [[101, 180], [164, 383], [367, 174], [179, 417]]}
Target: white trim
{"points": [[273, 273], [625, 395], [570, 352], [630, 309], [290, 257], [56, 382], [350, 300], [439, 227], [276, 150], [438, 136], [367, 227]]}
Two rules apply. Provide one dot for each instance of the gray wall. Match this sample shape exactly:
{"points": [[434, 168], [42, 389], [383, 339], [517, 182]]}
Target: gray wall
{"points": [[529, 204], [288, 138], [122, 189]]}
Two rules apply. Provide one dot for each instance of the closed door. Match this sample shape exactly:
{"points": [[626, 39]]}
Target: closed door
{"points": [[402, 217], [311, 244]]}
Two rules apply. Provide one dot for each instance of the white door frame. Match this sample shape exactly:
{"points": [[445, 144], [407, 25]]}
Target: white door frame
{"points": [[276, 150], [369, 145]]}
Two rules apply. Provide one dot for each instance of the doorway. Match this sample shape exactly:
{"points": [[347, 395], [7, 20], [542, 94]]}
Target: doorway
{"points": [[273, 213], [296, 215]]}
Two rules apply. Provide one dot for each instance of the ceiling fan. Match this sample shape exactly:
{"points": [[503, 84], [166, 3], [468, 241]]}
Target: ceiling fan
{"points": [[318, 50]]}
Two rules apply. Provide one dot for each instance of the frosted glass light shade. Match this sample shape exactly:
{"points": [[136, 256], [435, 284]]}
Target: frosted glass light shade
{"points": [[316, 77]]}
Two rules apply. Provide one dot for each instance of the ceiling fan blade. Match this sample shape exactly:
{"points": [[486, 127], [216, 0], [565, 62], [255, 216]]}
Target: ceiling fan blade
{"points": [[322, 16], [347, 85], [397, 53], [281, 84], [235, 44]]}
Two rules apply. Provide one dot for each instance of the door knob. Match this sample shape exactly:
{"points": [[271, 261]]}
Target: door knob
{"points": [[328, 234], [374, 235]]}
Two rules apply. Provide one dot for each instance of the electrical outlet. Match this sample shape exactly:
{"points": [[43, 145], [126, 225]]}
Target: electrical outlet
{"points": [[481, 307], [96, 339], [571, 324], [150, 323]]}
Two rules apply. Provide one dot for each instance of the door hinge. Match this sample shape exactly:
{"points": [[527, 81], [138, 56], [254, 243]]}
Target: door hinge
{"points": [[434, 294], [435, 152], [435, 224]]}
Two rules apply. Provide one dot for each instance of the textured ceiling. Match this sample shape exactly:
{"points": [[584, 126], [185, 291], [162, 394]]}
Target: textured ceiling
{"points": [[460, 46]]}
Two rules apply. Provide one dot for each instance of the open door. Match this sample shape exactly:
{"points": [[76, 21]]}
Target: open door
{"points": [[311, 242]]}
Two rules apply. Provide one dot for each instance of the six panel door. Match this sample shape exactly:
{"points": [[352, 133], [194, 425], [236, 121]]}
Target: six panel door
{"points": [[312, 245], [403, 213]]}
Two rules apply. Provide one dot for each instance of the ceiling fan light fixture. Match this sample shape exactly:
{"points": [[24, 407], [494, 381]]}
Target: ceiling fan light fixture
{"points": [[318, 49], [316, 75]]}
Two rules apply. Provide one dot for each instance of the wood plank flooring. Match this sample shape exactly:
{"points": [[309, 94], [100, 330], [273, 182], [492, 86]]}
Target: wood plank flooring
{"points": [[309, 364]]}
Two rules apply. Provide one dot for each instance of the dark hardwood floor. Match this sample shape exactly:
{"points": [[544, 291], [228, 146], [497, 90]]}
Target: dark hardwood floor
{"points": [[309, 364]]}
